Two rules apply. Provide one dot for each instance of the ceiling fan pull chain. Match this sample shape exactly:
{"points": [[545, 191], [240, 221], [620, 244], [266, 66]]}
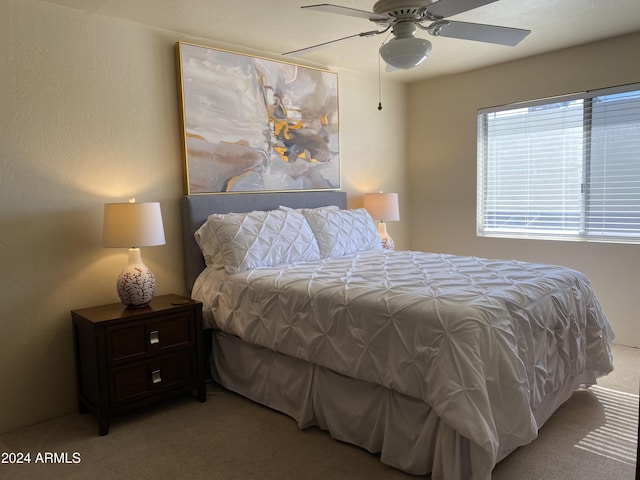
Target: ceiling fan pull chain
{"points": [[379, 85]]}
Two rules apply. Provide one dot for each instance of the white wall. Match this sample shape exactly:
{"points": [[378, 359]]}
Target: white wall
{"points": [[442, 166], [88, 115]]}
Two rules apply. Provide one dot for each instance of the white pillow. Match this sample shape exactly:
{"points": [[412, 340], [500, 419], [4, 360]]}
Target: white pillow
{"points": [[342, 232], [263, 239], [207, 240]]}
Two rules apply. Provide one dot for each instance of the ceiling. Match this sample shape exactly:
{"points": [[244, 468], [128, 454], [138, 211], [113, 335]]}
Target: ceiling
{"points": [[272, 27]]}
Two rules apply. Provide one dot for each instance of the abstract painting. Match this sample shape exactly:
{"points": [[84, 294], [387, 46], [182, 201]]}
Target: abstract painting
{"points": [[253, 124]]}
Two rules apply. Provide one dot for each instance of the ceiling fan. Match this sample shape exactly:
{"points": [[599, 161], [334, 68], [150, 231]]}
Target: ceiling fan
{"points": [[404, 17]]}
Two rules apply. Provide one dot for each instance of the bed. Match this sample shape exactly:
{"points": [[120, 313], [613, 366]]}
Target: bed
{"points": [[441, 364]]}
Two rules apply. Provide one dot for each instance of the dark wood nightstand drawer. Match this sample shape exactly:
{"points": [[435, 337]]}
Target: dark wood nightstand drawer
{"points": [[135, 382], [137, 339]]}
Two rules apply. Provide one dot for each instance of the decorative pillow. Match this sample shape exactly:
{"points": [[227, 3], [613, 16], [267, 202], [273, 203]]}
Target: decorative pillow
{"points": [[342, 232], [207, 240], [263, 239]]}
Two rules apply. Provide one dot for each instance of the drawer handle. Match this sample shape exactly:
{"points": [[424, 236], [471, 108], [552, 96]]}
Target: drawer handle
{"points": [[154, 337], [156, 377]]}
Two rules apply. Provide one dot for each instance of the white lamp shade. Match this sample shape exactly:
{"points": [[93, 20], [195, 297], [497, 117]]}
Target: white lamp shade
{"points": [[382, 206], [406, 52], [133, 225]]}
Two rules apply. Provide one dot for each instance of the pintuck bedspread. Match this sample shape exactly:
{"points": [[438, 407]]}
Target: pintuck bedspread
{"points": [[481, 341]]}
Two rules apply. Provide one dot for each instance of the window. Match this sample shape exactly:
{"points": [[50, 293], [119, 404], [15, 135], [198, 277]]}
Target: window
{"points": [[562, 168]]}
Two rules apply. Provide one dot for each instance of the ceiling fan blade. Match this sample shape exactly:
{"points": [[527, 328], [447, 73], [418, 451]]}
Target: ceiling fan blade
{"points": [[482, 33], [448, 8], [302, 51], [352, 12]]}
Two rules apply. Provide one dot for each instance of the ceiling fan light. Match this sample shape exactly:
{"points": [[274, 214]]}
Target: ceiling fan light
{"points": [[405, 52]]}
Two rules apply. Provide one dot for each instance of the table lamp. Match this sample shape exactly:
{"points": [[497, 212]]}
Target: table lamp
{"points": [[383, 207], [134, 225]]}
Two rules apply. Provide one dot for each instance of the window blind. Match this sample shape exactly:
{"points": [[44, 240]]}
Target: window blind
{"points": [[567, 167]]}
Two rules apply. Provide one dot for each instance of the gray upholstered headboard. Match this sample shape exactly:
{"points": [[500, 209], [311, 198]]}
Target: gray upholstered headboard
{"points": [[196, 209]]}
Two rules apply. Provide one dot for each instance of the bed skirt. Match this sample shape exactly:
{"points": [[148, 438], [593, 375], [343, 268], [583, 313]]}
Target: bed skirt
{"points": [[404, 431]]}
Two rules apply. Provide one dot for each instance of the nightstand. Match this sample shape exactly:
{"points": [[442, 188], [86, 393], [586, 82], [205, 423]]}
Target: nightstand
{"points": [[128, 358]]}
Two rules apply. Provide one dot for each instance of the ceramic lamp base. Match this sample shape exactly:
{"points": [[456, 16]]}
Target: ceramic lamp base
{"points": [[136, 284], [385, 238]]}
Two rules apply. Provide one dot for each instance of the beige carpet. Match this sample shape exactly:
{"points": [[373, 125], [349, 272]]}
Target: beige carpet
{"points": [[592, 436]]}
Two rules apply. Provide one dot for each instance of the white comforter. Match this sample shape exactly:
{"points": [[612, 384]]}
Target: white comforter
{"points": [[481, 341]]}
